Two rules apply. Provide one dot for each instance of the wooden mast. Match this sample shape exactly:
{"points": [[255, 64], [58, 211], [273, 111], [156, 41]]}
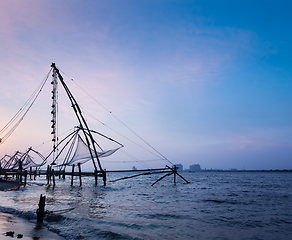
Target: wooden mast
{"points": [[83, 125]]}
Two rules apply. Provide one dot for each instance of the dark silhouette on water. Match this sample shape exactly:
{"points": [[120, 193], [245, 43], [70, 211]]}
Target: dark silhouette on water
{"points": [[18, 164]]}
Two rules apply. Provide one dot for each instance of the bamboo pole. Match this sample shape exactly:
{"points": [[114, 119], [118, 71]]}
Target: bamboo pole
{"points": [[183, 178], [140, 174], [161, 178]]}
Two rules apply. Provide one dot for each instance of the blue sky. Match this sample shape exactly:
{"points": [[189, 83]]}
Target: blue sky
{"points": [[205, 82]]}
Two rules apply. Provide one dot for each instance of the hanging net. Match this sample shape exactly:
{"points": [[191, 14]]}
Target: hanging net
{"points": [[28, 162], [13, 162], [82, 153], [4, 160], [25, 159]]}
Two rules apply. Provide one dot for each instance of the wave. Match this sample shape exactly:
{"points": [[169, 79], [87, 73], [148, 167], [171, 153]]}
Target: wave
{"points": [[229, 201], [31, 215]]}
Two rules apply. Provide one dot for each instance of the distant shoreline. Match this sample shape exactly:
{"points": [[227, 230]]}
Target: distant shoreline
{"points": [[235, 170]]}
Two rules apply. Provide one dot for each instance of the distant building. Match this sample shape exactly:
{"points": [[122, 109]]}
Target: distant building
{"points": [[179, 167], [134, 168], [195, 167]]}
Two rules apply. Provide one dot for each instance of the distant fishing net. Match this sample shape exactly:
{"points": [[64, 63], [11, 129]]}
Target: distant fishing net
{"points": [[13, 162], [28, 162], [4, 160]]}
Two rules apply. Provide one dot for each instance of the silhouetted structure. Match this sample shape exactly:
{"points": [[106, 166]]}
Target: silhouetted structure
{"points": [[195, 167], [179, 167]]}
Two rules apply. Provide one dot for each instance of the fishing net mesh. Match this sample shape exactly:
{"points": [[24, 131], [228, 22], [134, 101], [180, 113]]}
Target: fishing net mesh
{"points": [[82, 153]]}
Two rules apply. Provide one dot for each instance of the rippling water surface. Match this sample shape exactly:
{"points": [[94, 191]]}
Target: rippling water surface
{"points": [[215, 205]]}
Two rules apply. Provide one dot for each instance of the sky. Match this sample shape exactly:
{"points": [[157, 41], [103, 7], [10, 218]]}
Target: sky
{"points": [[203, 82]]}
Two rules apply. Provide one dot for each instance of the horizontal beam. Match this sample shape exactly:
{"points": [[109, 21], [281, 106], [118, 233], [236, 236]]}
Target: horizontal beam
{"points": [[57, 173]]}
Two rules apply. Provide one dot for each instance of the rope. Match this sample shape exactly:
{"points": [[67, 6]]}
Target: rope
{"points": [[119, 120], [28, 103], [122, 135], [135, 159]]}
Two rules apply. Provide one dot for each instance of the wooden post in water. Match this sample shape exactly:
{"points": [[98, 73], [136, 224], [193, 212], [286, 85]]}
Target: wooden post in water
{"points": [[25, 177], [104, 177], [50, 173], [174, 174], [53, 173], [20, 169], [41, 209], [48, 170], [95, 177], [30, 172], [174, 178], [35, 173], [63, 174], [79, 167], [72, 174]]}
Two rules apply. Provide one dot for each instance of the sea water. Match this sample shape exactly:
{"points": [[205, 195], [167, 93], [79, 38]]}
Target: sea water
{"points": [[215, 205]]}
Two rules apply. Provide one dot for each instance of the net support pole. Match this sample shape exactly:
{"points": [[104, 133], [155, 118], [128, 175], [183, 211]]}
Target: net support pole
{"points": [[72, 174], [53, 173], [104, 178], [48, 179], [79, 168], [25, 177], [95, 177], [81, 119]]}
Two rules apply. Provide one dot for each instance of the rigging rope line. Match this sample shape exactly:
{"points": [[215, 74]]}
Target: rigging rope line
{"points": [[48, 141], [136, 159], [125, 152], [119, 120], [90, 115], [155, 160], [27, 105], [24, 106]]}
